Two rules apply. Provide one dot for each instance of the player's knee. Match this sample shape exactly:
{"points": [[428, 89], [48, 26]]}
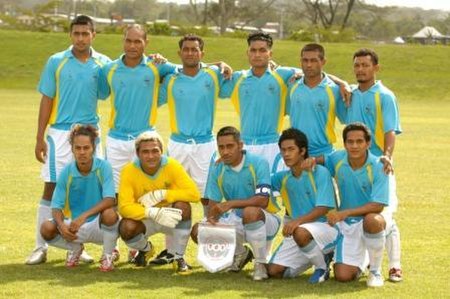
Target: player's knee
{"points": [[128, 229], [345, 274], [185, 208], [194, 233], [302, 236], [48, 190], [252, 214], [275, 271], [48, 230], [109, 217], [373, 223]]}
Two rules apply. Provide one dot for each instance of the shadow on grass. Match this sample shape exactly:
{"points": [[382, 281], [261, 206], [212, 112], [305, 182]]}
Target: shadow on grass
{"points": [[162, 279]]}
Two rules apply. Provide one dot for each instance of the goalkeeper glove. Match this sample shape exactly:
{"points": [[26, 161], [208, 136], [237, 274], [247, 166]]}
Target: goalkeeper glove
{"points": [[152, 198], [164, 216]]}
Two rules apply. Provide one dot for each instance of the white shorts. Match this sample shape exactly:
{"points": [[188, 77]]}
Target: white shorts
{"points": [[195, 158], [288, 253], [152, 228], [89, 232], [59, 153], [393, 199], [119, 153], [271, 152]]}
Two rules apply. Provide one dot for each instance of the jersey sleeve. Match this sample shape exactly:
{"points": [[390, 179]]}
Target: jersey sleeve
{"points": [[380, 186], [340, 108], [263, 181], [59, 195], [162, 97], [47, 82], [167, 68], [103, 86], [391, 119], [276, 180], [212, 190], [185, 190], [108, 188], [128, 205], [325, 189], [227, 87]]}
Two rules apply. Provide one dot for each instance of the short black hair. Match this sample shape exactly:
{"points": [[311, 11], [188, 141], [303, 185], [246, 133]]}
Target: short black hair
{"points": [[260, 36], [298, 136], [357, 126], [83, 130], [367, 52], [137, 27], [314, 47], [83, 20], [229, 130], [191, 37]]}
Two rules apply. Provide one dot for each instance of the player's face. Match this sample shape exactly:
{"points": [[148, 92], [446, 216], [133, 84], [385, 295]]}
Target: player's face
{"points": [[83, 150], [291, 154], [356, 145], [259, 54], [230, 150], [82, 37], [190, 53], [134, 43], [312, 64], [364, 69], [149, 155]]}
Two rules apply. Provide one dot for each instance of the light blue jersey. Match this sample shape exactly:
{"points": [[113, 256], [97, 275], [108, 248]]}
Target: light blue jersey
{"points": [[302, 194], [260, 103], [73, 87], [192, 104], [134, 95], [361, 186], [376, 108], [314, 110], [75, 193], [228, 184]]}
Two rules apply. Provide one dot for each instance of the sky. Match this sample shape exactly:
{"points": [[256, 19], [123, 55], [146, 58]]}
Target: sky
{"points": [[428, 4]]}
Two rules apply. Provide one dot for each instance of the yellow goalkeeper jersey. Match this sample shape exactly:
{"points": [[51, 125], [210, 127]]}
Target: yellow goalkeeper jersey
{"points": [[171, 176]]}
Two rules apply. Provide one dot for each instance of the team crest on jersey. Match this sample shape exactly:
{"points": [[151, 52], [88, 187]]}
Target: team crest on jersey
{"points": [[271, 88], [367, 110], [320, 106], [208, 85]]}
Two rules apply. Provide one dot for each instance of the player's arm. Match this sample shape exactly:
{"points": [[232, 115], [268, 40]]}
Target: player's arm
{"points": [[63, 229], [185, 189], [58, 204], [45, 110], [312, 216], [344, 87], [225, 70], [389, 144], [128, 206], [371, 207]]}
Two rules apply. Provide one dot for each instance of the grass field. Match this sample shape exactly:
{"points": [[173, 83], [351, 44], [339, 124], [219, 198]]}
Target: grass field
{"points": [[418, 75]]}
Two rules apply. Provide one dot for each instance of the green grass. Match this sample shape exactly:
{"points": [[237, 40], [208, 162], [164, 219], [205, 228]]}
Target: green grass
{"points": [[417, 74]]}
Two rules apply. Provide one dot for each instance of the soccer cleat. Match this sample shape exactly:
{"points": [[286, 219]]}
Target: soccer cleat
{"points": [[163, 258], [375, 279], [142, 258], [260, 272], [107, 262], [73, 257], [395, 275], [132, 253], [38, 256], [181, 267], [240, 260], [319, 275], [86, 258]]}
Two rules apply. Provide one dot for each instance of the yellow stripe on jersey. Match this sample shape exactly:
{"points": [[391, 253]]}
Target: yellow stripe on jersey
{"points": [[154, 108], [220, 182], [112, 117], [331, 136], [293, 89], [285, 196], [253, 173], [336, 169], [172, 108], [283, 94], [312, 181], [379, 127], [100, 64], [54, 113], [67, 212], [370, 173], [235, 94], [216, 88]]}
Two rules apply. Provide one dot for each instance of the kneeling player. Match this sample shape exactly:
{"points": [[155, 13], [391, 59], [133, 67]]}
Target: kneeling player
{"points": [[84, 194], [307, 197], [154, 196], [243, 181]]}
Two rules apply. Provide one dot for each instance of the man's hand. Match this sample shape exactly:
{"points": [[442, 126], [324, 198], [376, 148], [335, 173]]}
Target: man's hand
{"points": [[152, 198], [346, 93], [217, 210], [273, 65], [388, 168], [165, 216], [290, 227], [40, 150], [295, 77], [66, 233], [334, 217], [309, 164], [157, 58], [77, 223], [225, 70]]}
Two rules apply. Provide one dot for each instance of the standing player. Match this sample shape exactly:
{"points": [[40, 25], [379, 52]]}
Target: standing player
{"points": [[69, 88], [84, 195], [307, 197], [243, 181], [154, 196], [376, 106], [314, 102]]}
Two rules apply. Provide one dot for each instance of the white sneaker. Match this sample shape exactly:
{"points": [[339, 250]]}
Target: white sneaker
{"points": [[375, 279], [38, 256], [86, 258], [260, 272]]}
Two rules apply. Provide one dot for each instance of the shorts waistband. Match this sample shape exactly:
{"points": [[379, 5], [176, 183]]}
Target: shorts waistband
{"points": [[191, 139], [266, 139], [68, 127], [127, 136]]}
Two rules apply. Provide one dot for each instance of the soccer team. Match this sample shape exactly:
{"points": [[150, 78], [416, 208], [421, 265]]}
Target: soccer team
{"points": [[339, 204]]}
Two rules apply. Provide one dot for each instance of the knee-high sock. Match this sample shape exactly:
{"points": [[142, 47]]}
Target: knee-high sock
{"points": [[60, 242], [180, 238], [375, 246], [110, 236], [314, 255], [393, 247], [139, 242], [44, 212], [255, 234]]}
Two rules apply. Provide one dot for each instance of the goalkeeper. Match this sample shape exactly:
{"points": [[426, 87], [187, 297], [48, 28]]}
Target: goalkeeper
{"points": [[154, 196]]}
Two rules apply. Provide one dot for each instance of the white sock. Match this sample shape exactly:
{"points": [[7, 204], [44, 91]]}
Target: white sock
{"points": [[180, 237], [44, 212], [314, 255], [255, 234], [110, 236], [393, 247], [375, 246], [60, 242], [139, 242]]}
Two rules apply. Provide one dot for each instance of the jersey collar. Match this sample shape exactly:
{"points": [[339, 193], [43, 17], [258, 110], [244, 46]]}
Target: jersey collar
{"points": [[373, 89], [76, 173]]}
